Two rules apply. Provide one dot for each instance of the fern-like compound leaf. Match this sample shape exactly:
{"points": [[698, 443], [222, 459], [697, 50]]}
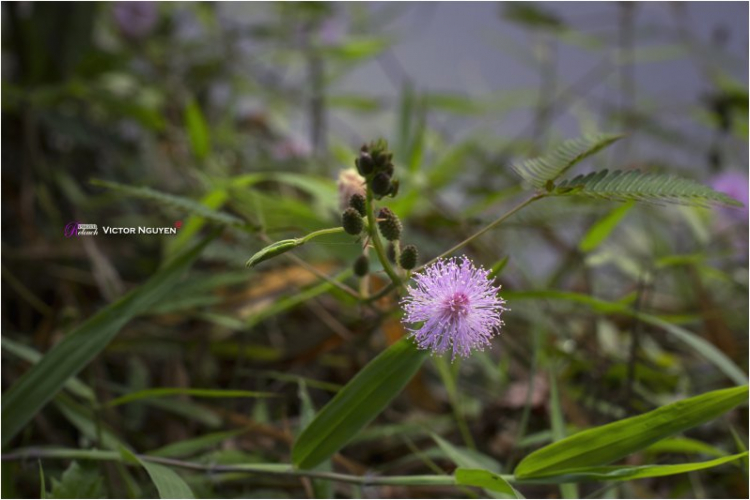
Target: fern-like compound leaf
{"points": [[541, 171], [626, 185]]}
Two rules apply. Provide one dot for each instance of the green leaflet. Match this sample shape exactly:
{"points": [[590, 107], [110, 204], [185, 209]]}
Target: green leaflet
{"points": [[633, 185], [538, 172], [358, 403], [607, 443], [45, 379]]}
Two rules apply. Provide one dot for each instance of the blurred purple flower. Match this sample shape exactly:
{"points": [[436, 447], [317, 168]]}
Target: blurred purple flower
{"points": [[458, 306], [331, 31], [290, 148], [735, 184], [135, 19]]}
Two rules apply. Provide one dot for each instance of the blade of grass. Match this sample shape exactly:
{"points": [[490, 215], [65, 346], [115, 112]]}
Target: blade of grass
{"points": [[162, 392], [45, 379]]}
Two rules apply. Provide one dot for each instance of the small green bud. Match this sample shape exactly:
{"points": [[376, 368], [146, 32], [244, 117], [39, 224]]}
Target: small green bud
{"points": [[362, 266], [364, 163], [352, 221], [381, 184], [409, 257], [389, 224], [394, 188], [357, 201], [390, 252]]}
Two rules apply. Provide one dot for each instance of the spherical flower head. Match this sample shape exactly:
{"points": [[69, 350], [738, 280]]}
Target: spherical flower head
{"points": [[455, 306]]}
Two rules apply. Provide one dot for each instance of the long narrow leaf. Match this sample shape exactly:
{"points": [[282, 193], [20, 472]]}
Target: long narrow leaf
{"points": [[168, 483], [628, 472], [162, 392], [45, 379], [605, 444], [358, 403]]}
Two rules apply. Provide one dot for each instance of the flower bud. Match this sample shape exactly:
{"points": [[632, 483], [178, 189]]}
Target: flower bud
{"points": [[381, 184], [389, 168], [409, 257], [361, 266], [357, 201], [364, 163], [389, 224], [352, 221]]}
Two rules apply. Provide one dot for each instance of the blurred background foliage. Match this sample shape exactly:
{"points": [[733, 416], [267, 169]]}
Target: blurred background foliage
{"points": [[243, 115]]}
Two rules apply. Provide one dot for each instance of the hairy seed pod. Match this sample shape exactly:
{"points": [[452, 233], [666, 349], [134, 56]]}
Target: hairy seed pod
{"points": [[361, 266], [409, 257], [352, 221], [357, 202], [389, 224]]}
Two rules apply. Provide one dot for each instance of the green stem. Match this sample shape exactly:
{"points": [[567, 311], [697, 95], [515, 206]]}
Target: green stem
{"points": [[484, 229], [276, 469], [321, 232], [372, 229]]}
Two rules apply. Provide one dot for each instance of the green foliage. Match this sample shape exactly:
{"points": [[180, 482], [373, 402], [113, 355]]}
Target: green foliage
{"points": [[168, 483], [643, 186], [486, 479], [40, 384], [273, 250], [612, 313], [176, 202], [162, 392], [357, 404], [540, 172], [605, 444], [79, 482], [630, 472], [603, 228], [197, 130]]}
